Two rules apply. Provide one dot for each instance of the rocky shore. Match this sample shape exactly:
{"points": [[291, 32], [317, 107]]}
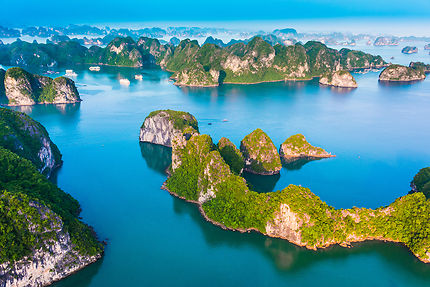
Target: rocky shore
{"points": [[201, 176], [399, 73], [341, 79], [23, 89]]}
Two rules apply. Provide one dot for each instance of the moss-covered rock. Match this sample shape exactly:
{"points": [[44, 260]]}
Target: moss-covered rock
{"points": [[162, 126], [261, 155], [24, 88], [421, 182], [231, 155], [420, 66], [399, 73], [297, 147], [29, 139], [341, 79], [410, 50], [45, 239]]}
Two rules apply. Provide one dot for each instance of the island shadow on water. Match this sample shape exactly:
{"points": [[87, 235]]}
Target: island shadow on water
{"points": [[261, 183], [289, 258], [157, 157]]}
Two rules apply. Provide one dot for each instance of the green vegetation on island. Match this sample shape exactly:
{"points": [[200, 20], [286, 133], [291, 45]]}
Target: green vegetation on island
{"points": [[33, 211], [29, 139], [261, 155], [296, 214], [297, 147], [399, 73], [24, 88], [421, 182], [231, 155], [194, 65]]}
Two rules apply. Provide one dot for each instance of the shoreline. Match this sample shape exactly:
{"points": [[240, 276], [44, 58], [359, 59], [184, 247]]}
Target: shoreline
{"points": [[345, 244]]}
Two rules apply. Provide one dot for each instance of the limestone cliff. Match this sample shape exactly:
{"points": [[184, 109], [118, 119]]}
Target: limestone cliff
{"points": [[23, 88], [297, 147], [55, 259], [341, 79], [161, 127], [29, 139], [231, 155], [398, 73], [261, 155]]}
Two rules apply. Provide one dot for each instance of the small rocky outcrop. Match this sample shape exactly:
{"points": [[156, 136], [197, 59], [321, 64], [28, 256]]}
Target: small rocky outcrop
{"points": [[261, 155], [386, 41], [29, 139], [427, 47], [421, 182], [410, 50], [297, 147], [162, 126], [420, 66], [341, 79], [231, 155], [23, 89], [398, 73]]}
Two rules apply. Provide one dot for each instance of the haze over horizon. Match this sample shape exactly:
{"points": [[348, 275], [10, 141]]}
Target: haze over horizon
{"points": [[310, 15]]}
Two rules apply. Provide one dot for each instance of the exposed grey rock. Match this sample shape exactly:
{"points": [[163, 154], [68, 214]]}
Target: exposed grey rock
{"points": [[342, 79]]}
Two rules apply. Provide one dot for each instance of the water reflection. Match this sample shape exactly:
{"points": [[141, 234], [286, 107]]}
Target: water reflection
{"points": [[289, 258], [157, 157], [297, 164], [261, 183], [83, 278]]}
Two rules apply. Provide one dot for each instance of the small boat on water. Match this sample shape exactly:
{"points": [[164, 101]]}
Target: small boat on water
{"points": [[70, 73], [138, 77], [124, 82], [225, 120], [94, 68]]}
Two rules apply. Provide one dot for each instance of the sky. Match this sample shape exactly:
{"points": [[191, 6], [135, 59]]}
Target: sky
{"points": [[54, 12]]}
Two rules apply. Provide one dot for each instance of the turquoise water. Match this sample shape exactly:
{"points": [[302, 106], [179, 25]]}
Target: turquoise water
{"points": [[380, 135]]}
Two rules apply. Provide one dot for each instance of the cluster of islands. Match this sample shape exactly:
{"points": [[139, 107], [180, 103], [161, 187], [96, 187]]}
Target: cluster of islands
{"points": [[46, 241], [210, 176], [190, 64]]}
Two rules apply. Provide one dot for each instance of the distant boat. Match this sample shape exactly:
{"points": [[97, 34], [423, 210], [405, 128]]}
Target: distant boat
{"points": [[138, 77], [124, 82], [70, 73], [225, 120], [95, 68]]}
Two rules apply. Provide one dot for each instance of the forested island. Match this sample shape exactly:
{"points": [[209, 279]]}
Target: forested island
{"points": [[42, 239], [193, 65], [207, 175], [22, 88]]}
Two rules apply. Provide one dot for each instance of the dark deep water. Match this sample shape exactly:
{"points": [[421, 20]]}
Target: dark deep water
{"points": [[380, 135]]}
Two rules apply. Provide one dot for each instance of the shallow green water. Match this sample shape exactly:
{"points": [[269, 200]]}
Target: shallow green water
{"points": [[380, 135]]}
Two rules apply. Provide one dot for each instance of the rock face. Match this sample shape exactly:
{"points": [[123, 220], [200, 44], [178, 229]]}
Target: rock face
{"points": [[56, 260], [231, 155], [398, 73], [410, 50], [261, 156], [2, 75], [342, 79], [297, 147], [386, 41], [29, 139], [294, 213], [23, 88], [162, 126]]}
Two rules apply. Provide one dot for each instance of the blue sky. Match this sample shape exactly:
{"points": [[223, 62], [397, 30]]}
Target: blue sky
{"points": [[48, 12]]}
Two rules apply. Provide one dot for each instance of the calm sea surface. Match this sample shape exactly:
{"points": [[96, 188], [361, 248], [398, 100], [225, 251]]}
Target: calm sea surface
{"points": [[380, 134]]}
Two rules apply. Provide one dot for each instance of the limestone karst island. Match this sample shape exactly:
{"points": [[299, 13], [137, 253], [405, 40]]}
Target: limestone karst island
{"points": [[228, 143]]}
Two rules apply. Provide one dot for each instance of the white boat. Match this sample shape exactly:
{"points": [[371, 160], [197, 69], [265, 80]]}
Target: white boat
{"points": [[70, 73], [95, 68], [138, 77], [124, 82]]}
